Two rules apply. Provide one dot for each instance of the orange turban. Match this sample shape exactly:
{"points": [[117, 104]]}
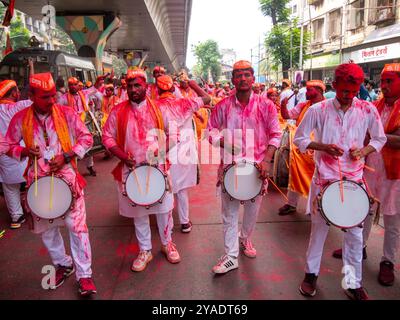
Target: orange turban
{"points": [[42, 81], [165, 82], [241, 65], [316, 83], [73, 80], [271, 91], [6, 86], [392, 67], [80, 83], [136, 73], [287, 81], [88, 83]]}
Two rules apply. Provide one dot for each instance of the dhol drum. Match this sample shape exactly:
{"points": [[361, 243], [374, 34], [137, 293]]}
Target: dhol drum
{"points": [[51, 199], [92, 123], [281, 161], [146, 186], [241, 181], [344, 210]]}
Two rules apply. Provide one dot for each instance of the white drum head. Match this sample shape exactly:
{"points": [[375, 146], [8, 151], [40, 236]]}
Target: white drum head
{"points": [[40, 204], [137, 191], [242, 181], [349, 213]]}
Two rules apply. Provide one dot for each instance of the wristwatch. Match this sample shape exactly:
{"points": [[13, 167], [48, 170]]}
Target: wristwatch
{"points": [[67, 158]]}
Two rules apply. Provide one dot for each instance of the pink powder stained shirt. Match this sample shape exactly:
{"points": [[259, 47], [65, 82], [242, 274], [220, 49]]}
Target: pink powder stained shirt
{"points": [[387, 191], [253, 127], [346, 130], [81, 141]]}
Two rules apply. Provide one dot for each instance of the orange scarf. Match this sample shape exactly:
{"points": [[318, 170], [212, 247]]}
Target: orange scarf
{"points": [[391, 157], [6, 101], [122, 125], [154, 92], [71, 103], [303, 112], [61, 127]]}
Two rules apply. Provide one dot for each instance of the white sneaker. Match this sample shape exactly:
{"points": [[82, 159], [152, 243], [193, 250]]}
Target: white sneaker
{"points": [[248, 249], [141, 261], [171, 252], [226, 263]]}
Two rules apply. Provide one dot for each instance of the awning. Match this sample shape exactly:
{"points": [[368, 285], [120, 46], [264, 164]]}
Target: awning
{"points": [[383, 33]]}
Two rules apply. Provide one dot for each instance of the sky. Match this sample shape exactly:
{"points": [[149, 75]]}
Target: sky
{"points": [[233, 24]]}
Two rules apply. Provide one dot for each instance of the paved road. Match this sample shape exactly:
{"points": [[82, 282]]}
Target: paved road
{"points": [[281, 243]]}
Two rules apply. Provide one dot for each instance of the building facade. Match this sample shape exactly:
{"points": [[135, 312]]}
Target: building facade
{"points": [[365, 31]]}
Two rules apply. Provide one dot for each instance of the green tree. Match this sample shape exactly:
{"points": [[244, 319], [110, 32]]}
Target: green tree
{"points": [[283, 40], [19, 35], [64, 42], [276, 9], [208, 59]]}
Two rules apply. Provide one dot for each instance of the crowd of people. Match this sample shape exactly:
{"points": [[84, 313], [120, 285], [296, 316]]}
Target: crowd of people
{"points": [[338, 131]]}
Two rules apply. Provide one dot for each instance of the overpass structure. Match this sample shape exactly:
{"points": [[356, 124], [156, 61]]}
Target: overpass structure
{"points": [[134, 29]]}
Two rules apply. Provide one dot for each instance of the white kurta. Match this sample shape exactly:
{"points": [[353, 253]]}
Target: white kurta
{"points": [[11, 170], [347, 130], [387, 191]]}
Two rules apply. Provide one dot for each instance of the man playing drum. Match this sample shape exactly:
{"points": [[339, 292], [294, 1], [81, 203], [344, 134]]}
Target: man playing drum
{"points": [[339, 126], [301, 166], [383, 177], [254, 123], [129, 135], [54, 136]]}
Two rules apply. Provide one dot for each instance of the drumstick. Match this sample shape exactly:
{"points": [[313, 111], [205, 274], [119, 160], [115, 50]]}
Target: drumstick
{"points": [[136, 177], [341, 182], [369, 168], [148, 176], [277, 188], [51, 189], [236, 177], [36, 173]]}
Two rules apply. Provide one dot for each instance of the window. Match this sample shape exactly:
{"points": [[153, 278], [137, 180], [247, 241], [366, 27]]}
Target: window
{"points": [[317, 30], [382, 10], [356, 15], [335, 25], [294, 9]]}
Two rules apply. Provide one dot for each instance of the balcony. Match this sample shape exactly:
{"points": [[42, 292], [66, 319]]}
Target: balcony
{"points": [[314, 2], [385, 16]]}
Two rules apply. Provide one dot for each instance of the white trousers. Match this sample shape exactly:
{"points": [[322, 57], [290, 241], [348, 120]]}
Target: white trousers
{"points": [[12, 196], [230, 219], [182, 205], [391, 240], [293, 198], [352, 249], [80, 249], [143, 231]]}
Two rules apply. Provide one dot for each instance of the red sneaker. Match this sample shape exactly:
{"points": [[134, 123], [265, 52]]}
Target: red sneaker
{"points": [[386, 273], [357, 294], [308, 287], [86, 286], [62, 273]]}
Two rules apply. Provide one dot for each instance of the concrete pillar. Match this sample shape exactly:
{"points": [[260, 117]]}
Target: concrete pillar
{"points": [[90, 34]]}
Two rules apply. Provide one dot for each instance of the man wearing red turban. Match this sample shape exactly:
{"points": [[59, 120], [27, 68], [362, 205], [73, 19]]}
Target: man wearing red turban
{"points": [[54, 137], [384, 181], [339, 126]]}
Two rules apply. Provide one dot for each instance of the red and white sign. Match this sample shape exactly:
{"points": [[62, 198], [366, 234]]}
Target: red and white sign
{"points": [[386, 52]]}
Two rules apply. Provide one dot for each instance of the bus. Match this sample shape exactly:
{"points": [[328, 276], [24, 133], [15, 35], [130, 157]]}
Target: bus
{"points": [[14, 66]]}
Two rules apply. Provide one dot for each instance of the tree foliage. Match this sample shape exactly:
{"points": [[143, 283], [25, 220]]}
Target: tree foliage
{"points": [[284, 37], [276, 9], [208, 59]]}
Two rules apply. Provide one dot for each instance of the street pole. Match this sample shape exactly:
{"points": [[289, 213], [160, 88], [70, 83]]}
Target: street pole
{"points": [[291, 52], [259, 58], [309, 15], [301, 46]]}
